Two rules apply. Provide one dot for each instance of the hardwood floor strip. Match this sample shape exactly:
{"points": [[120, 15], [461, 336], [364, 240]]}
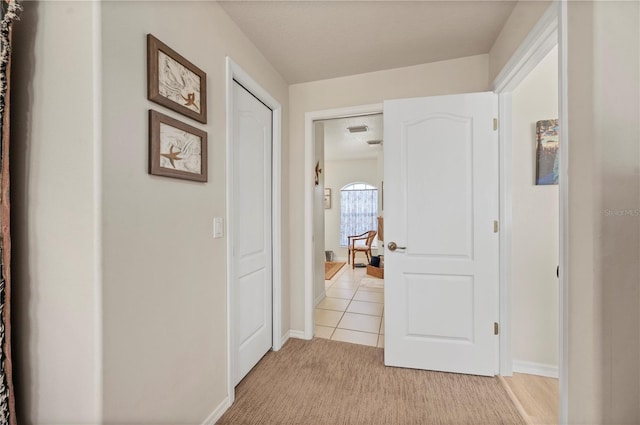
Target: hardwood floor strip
{"points": [[538, 396], [516, 402], [331, 268]]}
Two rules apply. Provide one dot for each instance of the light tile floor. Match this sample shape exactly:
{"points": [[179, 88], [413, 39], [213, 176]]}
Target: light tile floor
{"points": [[353, 309]]}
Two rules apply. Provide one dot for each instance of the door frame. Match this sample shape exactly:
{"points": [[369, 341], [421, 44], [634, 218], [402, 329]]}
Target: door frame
{"points": [[540, 41], [309, 182], [549, 31], [235, 72]]}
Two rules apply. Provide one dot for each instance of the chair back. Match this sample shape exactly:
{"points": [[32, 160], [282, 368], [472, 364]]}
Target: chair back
{"points": [[370, 236]]}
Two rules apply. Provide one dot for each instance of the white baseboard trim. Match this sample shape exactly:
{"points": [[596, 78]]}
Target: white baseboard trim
{"points": [[531, 368], [296, 334], [218, 412], [285, 338], [319, 298]]}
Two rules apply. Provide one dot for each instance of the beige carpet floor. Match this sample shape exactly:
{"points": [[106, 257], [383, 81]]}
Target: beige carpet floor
{"points": [[322, 382], [331, 268]]}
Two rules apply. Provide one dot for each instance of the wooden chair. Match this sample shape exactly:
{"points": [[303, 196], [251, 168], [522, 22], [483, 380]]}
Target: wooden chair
{"points": [[365, 247]]}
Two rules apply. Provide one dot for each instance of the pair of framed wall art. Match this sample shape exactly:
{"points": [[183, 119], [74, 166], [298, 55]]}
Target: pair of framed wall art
{"points": [[176, 149]]}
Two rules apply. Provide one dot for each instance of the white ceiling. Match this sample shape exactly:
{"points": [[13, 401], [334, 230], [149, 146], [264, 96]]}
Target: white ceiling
{"points": [[339, 144], [315, 40]]}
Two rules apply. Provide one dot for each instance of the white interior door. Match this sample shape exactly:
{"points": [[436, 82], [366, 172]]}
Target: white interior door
{"points": [[441, 200], [252, 233]]}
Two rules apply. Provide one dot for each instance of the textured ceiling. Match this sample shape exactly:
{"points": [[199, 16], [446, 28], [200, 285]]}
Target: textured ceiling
{"points": [[315, 40], [340, 144]]}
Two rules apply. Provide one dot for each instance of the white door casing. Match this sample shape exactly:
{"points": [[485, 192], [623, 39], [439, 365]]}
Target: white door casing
{"points": [[441, 200], [252, 232]]}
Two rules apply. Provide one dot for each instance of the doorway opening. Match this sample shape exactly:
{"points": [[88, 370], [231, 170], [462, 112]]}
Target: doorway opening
{"points": [[315, 201], [348, 296], [535, 242], [539, 42], [314, 250], [546, 42]]}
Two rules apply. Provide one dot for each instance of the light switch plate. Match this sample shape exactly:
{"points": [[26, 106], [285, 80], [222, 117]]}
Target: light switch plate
{"points": [[218, 229]]}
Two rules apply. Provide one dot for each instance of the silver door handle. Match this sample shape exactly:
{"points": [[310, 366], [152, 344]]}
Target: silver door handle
{"points": [[393, 246]]}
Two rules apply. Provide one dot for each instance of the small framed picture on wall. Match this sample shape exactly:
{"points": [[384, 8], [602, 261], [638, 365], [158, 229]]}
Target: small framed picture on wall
{"points": [[176, 149], [547, 152], [174, 82]]}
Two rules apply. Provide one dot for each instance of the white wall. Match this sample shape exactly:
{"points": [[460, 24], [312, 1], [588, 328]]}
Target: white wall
{"points": [[523, 17], [164, 274], [339, 174], [534, 286], [463, 75], [318, 213], [56, 287]]}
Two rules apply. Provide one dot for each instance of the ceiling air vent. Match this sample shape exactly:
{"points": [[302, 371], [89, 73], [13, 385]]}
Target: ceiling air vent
{"points": [[358, 129]]}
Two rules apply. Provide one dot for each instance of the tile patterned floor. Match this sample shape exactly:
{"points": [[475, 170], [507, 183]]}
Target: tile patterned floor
{"points": [[353, 309]]}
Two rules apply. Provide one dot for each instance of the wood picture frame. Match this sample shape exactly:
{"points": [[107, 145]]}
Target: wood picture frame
{"points": [[174, 82], [547, 144], [176, 149]]}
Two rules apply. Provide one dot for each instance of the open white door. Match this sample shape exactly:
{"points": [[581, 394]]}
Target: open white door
{"points": [[441, 201], [252, 235]]}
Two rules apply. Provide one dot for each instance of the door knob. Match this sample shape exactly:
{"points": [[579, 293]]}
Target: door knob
{"points": [[393, 246]]}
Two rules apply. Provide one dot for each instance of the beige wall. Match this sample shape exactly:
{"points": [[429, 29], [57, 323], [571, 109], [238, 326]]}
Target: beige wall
{"points": [[56, 313], [522, 19], [164, 274], [339, 174], [84, 203], [604, 240], [616, 101], [454, 76], [534, 246]]}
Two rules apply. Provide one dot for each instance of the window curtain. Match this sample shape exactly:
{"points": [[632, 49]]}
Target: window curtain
{"points": [[8, 14], [358, 213]]}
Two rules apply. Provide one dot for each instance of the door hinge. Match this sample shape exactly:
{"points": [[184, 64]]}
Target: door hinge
{"points": [[496, 226], [495, 124], [496, 328]]}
